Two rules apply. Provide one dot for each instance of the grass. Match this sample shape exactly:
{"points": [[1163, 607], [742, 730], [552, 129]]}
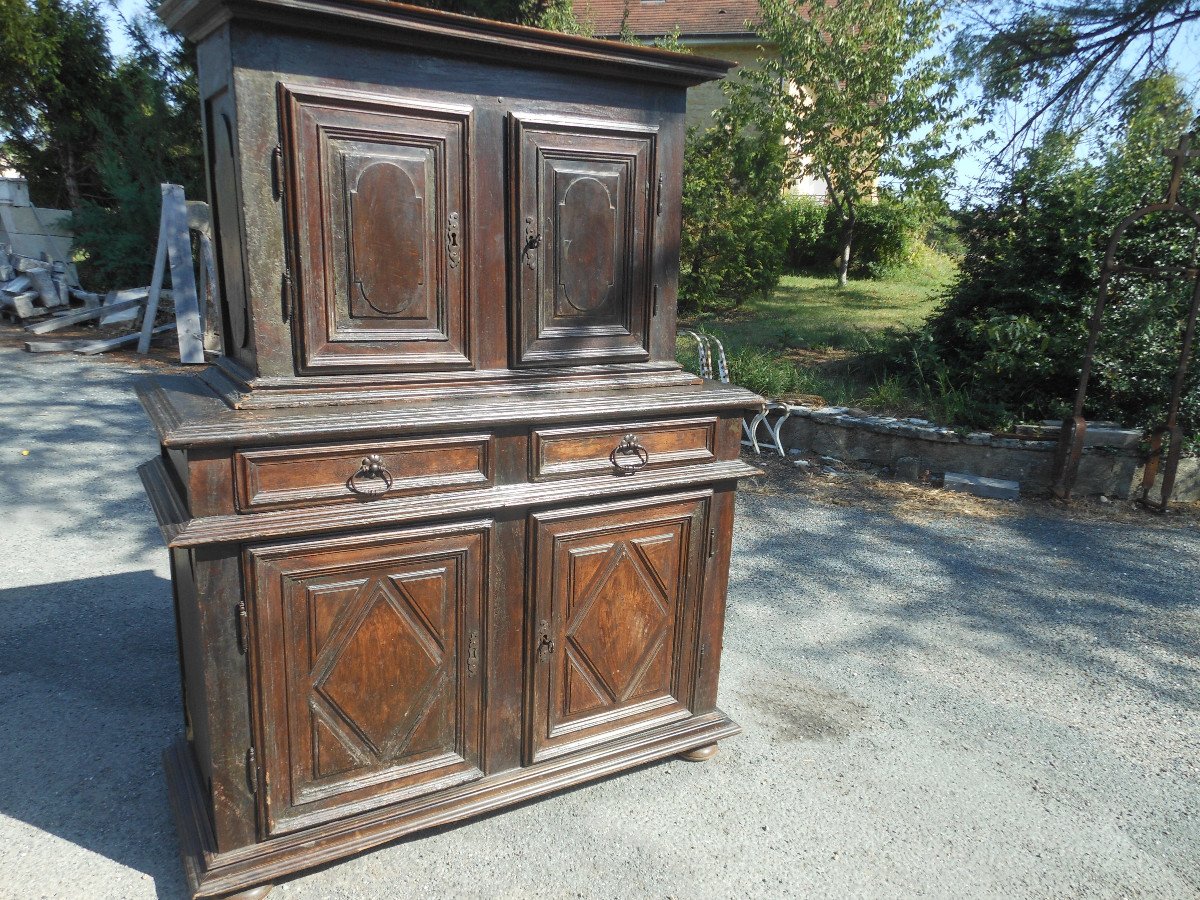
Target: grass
{"points": [[813, 339]]}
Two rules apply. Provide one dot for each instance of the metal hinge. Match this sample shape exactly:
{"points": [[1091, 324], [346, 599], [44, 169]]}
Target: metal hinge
{"points": [[252, 771], [277, 172], [659, 204], [243, 620], [712, 543], [703, 652], [287, 291], [654, 307]]}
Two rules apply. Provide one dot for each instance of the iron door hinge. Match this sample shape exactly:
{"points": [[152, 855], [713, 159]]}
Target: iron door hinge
{"points": [[287, 290], [243, 621], [252, 771], [711, 547], [659, 202], [277, 172], [654, 305]]}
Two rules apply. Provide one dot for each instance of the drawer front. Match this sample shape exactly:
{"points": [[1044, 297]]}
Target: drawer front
{"points": [[294, 476], [579, 452]]}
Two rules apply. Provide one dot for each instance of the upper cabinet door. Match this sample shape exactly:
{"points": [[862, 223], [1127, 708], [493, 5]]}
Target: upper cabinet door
{"points": [[376, 196], [582, 233]]}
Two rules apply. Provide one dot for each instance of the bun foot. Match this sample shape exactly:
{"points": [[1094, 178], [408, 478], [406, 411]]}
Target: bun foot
{"points": [[700, 754], [254, 893]]}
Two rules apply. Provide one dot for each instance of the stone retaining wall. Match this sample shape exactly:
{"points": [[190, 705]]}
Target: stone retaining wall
{"points": [[1115, 472]]}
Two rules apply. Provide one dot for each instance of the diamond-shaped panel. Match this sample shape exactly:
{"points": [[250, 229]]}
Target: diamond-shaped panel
{"points": [[377, 679], [619, 626]]}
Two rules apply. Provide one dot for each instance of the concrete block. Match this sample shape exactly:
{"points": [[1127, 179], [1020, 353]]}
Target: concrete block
{"points": [[7, 272], [44, 284], [23, 304], [18, 285], [995, 488]]}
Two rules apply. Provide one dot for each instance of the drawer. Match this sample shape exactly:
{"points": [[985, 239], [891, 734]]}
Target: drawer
{"points": [[271, 478], [586, 450]]}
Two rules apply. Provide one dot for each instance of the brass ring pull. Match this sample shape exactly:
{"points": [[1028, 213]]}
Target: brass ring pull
{"points": [[629, 446], [371, 479]]}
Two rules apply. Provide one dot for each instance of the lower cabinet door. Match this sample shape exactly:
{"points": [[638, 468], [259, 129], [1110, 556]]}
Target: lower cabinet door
{"points": [[367, 669], [615, 605]]}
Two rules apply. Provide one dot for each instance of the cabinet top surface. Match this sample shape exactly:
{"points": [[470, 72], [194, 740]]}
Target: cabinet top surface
{"points": [[187, 413], [421, 29]]}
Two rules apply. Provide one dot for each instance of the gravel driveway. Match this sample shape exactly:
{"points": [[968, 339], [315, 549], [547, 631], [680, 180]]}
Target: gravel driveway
{"points": [[943, 708]]}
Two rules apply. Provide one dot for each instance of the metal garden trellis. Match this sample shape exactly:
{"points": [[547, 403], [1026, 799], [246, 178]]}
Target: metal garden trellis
{"points": [[1071, 441]]}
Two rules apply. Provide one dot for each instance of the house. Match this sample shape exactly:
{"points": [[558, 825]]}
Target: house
{"points": [[721, 28]]}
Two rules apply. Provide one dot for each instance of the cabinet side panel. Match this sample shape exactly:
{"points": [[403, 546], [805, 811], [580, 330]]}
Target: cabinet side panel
{"points": [[217, 571], [716, 587]]}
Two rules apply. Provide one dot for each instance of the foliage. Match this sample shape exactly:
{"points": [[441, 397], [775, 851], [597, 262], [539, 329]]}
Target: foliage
{"points": [[888, 236], [1013, 329], [152, 137], [56, 75], [735, 224], [1063, 58], [858, 90]]}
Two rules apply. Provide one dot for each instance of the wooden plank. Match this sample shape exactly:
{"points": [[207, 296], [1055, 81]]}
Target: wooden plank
{"points": [[160, 265], [183, 277], [100, 346], [53, 346], [81, 315]]}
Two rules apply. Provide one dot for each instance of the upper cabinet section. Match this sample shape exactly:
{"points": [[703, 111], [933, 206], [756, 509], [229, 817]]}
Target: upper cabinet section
{"points": [[583, 227], [377, 193]]}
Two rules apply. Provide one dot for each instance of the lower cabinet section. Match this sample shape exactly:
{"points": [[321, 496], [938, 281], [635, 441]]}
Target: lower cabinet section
{"points": [[404, 678], [366, 669], [616, 595]]}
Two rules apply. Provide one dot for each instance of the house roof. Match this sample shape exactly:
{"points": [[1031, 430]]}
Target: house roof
{"points": [[652, 18]]}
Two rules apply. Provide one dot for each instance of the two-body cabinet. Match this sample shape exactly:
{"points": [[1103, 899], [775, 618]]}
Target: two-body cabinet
{"points": [[449, 527]]}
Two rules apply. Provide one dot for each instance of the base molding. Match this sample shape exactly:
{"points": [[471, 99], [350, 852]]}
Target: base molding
{"points": [[213, 874]]}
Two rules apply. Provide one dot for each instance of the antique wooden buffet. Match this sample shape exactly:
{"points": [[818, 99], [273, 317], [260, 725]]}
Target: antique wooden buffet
{"points": [[449, 527]]}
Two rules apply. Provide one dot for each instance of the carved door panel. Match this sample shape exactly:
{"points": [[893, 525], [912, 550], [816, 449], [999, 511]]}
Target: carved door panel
{"points": [[367, 654], [378, 220], [612, 648], [582, 240]]}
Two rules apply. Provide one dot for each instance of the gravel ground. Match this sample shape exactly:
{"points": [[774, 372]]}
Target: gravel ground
{"points": [[961, 706]]}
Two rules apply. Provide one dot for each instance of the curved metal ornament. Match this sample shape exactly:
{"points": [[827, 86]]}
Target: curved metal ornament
{"points": [[629, 455], [372, 478]]}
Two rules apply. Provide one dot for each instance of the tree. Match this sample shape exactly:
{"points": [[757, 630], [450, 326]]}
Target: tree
{"points": [[56, 74], [1013, 328], [858, 92], [151, 136], [1066, 58]]}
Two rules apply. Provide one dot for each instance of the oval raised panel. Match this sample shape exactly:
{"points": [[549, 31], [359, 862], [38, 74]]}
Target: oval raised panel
{"points": [[388, 228], [587, 244]]}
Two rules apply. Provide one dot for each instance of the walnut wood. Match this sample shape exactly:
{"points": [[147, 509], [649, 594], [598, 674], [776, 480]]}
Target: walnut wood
{"points": [[411, 584]]}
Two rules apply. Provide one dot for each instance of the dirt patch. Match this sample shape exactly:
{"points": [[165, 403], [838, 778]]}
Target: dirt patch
{"points": [[850, 485], [803, 711]]}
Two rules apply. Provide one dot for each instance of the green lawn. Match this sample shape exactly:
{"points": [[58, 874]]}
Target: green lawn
{"points": [[811, 337]]}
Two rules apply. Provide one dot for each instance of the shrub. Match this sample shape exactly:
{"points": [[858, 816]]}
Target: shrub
{"points": [[886, 237], [735, 225], [1012, 330]]}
